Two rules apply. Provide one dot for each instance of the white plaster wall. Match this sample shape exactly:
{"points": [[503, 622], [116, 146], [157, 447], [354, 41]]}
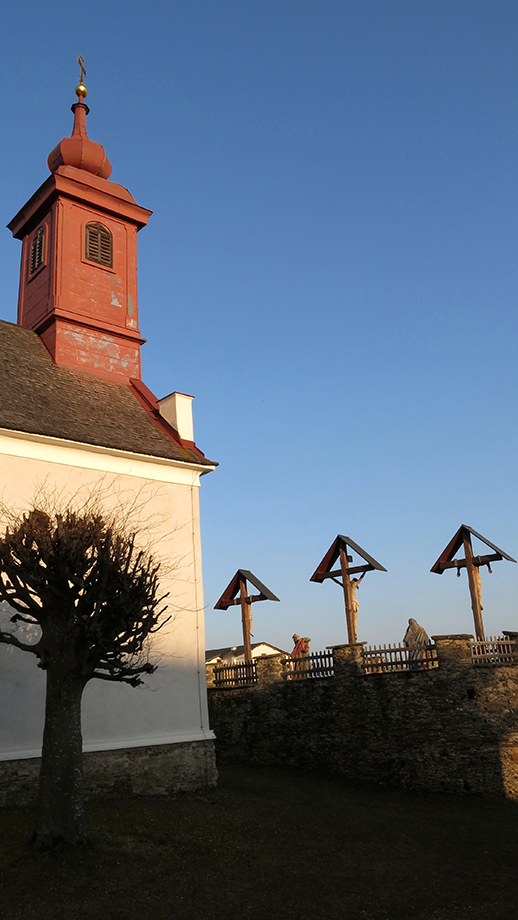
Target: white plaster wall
{"points": [[164, 495]]}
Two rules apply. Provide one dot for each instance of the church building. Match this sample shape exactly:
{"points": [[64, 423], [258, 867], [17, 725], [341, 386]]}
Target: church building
{"points": [[77, 421]]}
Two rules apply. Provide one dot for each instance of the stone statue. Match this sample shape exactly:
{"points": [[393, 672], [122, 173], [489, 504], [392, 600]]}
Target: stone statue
{"points": [[415, 640], [300, 655], [415, 635]]}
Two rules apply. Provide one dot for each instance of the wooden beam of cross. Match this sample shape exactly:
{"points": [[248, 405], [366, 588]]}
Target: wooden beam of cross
{"points": [[338, 550], [229, 598], [472, 564]]}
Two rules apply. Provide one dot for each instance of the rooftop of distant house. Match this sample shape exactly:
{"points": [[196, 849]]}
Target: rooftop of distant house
{"points": [[238, 651]]}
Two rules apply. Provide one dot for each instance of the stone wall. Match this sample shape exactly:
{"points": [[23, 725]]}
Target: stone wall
{"points": [[139, 771], [453, 728]]}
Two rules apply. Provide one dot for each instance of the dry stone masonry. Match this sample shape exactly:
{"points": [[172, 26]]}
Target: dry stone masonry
{"points": [[451, 728]]}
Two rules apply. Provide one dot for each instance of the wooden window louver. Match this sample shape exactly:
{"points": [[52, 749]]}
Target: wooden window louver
{"points": [[37, 251], [99, 245]]}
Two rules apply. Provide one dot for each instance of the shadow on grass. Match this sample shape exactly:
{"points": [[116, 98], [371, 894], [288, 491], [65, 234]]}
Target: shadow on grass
{"points": [[273, 842]]}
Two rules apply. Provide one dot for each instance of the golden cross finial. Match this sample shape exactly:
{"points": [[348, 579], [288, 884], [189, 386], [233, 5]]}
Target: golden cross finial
{"points": [[81, 63], [81, 90]]}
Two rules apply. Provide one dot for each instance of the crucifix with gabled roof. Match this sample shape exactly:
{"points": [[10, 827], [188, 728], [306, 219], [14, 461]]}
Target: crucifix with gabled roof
{"points": [[472, 564], [229, 599], [338, 549]]}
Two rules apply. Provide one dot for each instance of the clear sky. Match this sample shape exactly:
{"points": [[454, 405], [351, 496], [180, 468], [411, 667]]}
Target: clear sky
{"points": [[330, 269]]}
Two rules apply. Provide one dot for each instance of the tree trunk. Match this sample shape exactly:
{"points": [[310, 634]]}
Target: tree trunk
{"points": [[60, 810]]}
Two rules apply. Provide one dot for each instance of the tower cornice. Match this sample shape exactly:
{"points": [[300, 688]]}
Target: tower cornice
{"points": [[81, 186]]}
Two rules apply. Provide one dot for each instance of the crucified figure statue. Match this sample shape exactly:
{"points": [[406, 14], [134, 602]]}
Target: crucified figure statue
{"points": [[355, 604], [478, 584]]}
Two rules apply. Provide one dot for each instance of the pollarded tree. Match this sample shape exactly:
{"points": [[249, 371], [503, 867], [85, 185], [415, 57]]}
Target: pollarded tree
{"points": [[77, 579]]}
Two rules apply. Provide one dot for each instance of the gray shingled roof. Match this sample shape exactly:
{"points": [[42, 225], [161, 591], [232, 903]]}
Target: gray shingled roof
{"points": [[39, 398], [238, 650]]}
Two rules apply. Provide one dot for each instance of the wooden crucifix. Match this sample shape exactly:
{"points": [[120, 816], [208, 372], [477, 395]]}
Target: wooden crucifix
{"points": [[229, 598], [338, 550], [472, 564]]}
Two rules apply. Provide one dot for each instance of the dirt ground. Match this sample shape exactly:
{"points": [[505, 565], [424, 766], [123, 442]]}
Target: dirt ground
{"points": [[273, 843]]}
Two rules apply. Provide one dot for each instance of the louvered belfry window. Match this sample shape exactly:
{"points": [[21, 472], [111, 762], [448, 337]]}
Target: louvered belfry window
{"points": [[37, 251], [99, 245]]}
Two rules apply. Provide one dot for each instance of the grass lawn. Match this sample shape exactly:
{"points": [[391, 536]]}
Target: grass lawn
{"points": [[273, 843]]}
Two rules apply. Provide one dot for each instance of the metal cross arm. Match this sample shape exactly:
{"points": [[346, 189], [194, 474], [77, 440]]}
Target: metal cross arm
{"points": [[82, 72]]}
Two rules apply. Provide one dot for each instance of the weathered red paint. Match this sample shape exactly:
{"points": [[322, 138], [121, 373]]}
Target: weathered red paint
{"points": [[78, 150], [85, 313]]}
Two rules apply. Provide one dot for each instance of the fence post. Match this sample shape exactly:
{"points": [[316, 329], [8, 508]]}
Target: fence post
{"points": [[454, 651], [348, 659], [269, 669], [211, 678]]}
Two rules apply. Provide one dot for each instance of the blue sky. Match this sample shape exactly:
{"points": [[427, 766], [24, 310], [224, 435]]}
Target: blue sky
{"points": [[330, 269]]}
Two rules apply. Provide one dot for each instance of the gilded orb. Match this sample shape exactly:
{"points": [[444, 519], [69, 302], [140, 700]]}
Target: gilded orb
{"points": [[81, 90]]}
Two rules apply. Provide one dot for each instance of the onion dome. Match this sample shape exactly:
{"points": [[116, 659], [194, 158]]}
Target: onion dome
{"points": [[78, 150]]}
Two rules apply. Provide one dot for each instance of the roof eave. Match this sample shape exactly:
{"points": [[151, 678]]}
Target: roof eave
{"points": [[108, 451]]}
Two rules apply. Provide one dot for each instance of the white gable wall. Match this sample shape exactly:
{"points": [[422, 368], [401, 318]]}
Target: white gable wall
{"points": [[172, 707]]}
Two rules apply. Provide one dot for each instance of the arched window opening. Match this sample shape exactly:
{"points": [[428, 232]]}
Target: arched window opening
{"points": [[37, 251], [99, 245]]}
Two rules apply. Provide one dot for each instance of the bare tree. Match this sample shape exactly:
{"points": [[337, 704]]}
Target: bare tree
{"points": [[77, 579]]}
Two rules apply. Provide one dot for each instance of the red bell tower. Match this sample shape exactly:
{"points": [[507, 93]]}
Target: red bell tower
{"points": [[78, 276]]}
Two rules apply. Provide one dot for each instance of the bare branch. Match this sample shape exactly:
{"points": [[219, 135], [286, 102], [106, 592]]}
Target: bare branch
{"points": [[134, 681], [9, 639], [17, 618], [81, 577]]}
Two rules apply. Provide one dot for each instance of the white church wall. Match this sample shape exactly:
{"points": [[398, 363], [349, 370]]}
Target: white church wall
{"points": [[163, 496]]}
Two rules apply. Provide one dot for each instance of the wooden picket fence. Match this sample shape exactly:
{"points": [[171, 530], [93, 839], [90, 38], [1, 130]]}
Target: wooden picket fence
{"points": [[235, 675], [318, 664], [494, 650], [380, 659], [377, 659]]}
